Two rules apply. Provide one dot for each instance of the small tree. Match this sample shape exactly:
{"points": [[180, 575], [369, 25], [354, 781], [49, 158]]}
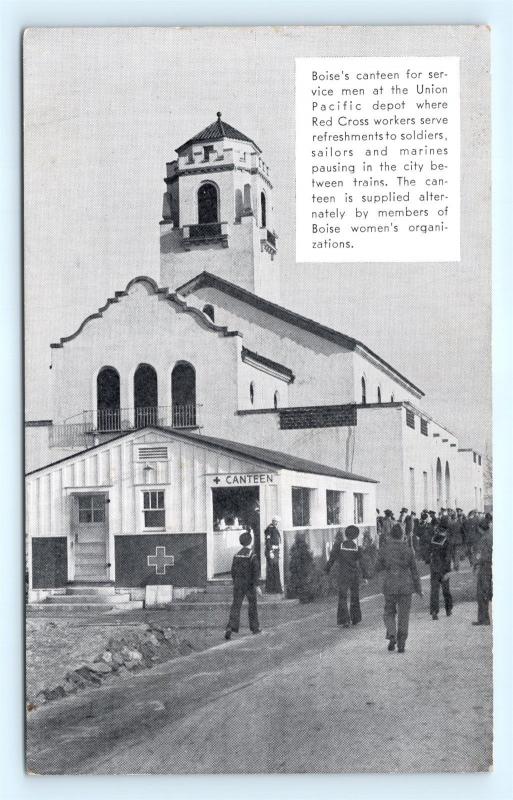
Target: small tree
{"points": [[305, 580]]}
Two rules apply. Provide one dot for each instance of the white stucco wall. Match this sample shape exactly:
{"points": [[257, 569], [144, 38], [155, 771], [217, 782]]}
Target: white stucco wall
{"points": [[470, 483]]}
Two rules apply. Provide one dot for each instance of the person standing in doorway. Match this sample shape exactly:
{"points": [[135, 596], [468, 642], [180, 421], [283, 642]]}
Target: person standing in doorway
{"points": [[245, 575], [397, 560], [348, 556], [272, 558]]}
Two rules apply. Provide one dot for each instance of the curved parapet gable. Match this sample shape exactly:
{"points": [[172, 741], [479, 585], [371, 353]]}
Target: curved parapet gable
{"points": [[154, 289]]}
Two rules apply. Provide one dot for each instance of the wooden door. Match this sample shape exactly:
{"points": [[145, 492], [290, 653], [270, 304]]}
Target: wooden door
{"points": [[91, 537]]}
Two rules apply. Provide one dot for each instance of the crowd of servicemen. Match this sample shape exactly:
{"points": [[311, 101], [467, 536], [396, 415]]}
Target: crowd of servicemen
{"points": [[441, 539]]}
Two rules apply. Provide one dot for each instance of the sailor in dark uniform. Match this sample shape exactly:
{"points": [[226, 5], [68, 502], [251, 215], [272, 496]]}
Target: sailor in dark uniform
{"points": [[245, 574], [272, 558], [483, 566], [440, 568], [348, 556]]}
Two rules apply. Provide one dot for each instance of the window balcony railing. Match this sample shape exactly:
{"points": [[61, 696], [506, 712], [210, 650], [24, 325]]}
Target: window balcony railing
{"points": [[269, 242], [117, 420], [208, 232]]}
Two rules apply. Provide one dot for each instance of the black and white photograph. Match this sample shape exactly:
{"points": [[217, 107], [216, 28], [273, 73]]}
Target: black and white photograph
{"points": [[258, 428]]}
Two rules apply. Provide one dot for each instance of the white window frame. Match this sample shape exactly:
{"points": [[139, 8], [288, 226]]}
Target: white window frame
{"points": [[151, 508]]}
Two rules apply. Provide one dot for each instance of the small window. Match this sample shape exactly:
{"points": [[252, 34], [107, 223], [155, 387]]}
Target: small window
{"points": [[391, 398], [209, 311], [474, 458], [154, 511], [263, 212], [479, 460], [207, 150], [364, 391], [300, 506], [276, 399], [424, 427], [410, 418], [252, 392], [379, 395], [91, 508], [358, 508], [333, 507]]}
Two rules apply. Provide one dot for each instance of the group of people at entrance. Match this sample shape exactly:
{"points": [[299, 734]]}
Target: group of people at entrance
{"points": [[432, 540]]}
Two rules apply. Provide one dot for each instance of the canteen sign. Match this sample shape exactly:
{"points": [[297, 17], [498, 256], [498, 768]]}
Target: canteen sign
{"points": [[244, 479]]}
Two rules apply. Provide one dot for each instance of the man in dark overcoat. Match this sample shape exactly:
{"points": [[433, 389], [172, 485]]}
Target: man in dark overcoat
{"points": [[397, 560], [272, 558]]}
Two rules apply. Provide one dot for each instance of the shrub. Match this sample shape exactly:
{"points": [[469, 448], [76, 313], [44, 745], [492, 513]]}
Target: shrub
{"points": [[305, 580]]}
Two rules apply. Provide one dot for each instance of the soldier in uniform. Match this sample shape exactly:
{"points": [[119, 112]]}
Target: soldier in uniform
{"points": [[245, 575], [272, 558], [348, 555], [440, 568], [386, 527], [483, 565], [397, 559]]}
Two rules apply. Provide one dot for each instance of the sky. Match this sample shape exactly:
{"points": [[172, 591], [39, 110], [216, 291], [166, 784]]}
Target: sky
{"points": [[105, 110]]}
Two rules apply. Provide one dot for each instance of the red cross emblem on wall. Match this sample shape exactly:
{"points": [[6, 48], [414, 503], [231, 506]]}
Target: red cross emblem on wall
{"points": [[160, 561]]}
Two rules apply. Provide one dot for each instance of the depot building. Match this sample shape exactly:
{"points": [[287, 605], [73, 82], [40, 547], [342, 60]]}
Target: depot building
{"points": [[161, 506]]}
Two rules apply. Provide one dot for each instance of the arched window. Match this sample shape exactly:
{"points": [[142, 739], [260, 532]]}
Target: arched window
{"points": [[438, 483], [208, 210], [391, 398], [209, 311], [252, 392], [263, 210], [108, 414], [364, 391], [379, 394], [276, 399], [183, 394], [447, 485], [145, 396]]}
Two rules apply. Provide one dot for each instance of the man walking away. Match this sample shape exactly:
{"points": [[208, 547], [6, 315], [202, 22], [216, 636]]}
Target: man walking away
{"points": [[245, 574], [440, 568], [386, 527], [397, 559], [483, 566], [349, 558]]}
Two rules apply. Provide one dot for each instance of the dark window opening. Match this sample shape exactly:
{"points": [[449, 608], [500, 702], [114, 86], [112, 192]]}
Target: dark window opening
{"points": [[364, 391], [276, 399], [358, 508], [263, 210], [410, 418], [300, 507], [209, 311], [207, 150], [207, 204], [379, 395], [424, 427], [333, 507], [145, 396], [108, 414], [251, 392], [183, 394]]}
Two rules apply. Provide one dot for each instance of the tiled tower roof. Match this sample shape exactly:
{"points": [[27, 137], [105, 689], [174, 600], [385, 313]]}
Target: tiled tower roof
{"points": [[215, 131]]}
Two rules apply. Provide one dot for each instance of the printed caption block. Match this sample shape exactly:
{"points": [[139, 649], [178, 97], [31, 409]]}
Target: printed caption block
{"points": [[377, 159]]}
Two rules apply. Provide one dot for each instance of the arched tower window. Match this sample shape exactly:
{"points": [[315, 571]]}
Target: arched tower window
{"points": [[145, 396], [183, 394], [447, 485], [263, 210], [208, 204], [276, 400], [364, 391], [209, 311], [252, 392], [379, 394], [391, 398], [438, 483], [108, 414]]}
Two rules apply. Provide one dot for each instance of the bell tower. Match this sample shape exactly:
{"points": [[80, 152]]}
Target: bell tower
{"points": [[218, 213]]}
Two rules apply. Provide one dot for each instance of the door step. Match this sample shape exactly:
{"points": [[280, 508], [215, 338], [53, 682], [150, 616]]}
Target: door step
{"points": [[84, 598]]}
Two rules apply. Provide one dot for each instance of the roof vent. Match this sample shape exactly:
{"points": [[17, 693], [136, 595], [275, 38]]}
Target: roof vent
{"points": [[157, 453]]}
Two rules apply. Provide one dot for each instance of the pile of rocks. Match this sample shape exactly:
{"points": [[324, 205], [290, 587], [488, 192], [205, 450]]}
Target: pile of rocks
{"points": [[131, 653]]}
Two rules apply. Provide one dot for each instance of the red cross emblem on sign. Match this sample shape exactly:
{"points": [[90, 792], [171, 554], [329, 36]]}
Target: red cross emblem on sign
{"points": [[160, 561]]}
